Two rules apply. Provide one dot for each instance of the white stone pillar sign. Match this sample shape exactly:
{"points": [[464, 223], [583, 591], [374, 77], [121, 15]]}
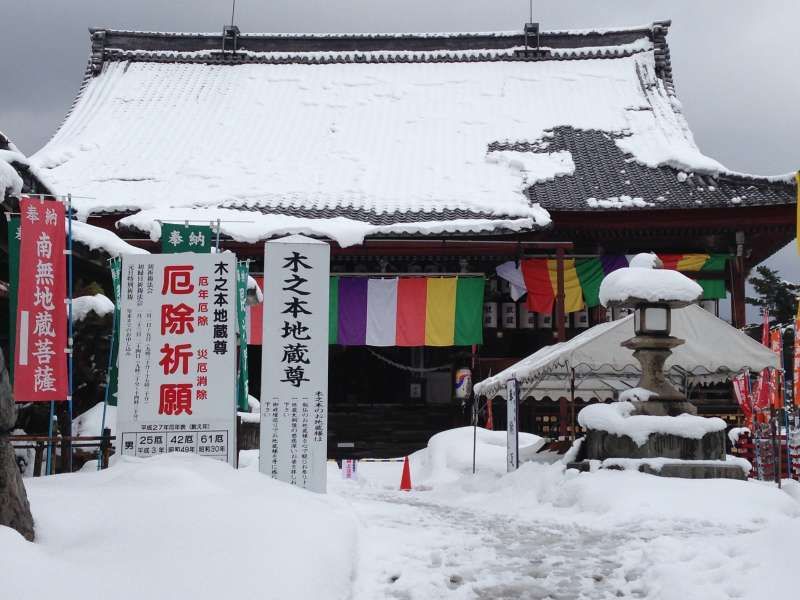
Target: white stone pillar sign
{"points": [[177, 355], [512, 427], [294, 364]]}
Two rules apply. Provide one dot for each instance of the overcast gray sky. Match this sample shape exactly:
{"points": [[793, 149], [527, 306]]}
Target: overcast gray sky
{"points": [[736, 62]]}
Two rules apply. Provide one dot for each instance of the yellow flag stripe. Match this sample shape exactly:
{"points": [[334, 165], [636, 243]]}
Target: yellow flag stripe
{"points": [[573, 293], [440, 311], [692, 262]]}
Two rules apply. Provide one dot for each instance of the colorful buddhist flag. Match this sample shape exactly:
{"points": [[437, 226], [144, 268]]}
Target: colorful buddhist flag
{"points": [[541, 279], [409, 311], [40, 360]]}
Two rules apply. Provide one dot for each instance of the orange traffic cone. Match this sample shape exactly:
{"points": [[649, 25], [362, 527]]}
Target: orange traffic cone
{"points": [[405, 480]]}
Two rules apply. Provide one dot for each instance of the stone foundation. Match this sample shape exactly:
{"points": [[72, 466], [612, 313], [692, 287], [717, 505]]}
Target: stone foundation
{"points": [[684, 470], [600, 445]]}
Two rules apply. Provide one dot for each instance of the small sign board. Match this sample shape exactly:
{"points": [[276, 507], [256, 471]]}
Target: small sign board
{"points": [[512, 430], [349, 468]]}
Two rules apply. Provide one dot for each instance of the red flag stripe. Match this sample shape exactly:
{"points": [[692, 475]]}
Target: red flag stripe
{"points": [[540, 289], [412, 295]]}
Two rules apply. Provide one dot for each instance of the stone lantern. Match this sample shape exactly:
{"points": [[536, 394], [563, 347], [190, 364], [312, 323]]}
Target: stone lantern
{"points": [[652, 293], [656, 427]]}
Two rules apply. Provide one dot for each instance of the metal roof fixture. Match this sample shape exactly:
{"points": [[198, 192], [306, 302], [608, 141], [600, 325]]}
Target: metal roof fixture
{"points": [[230, 38], [532, 49]]}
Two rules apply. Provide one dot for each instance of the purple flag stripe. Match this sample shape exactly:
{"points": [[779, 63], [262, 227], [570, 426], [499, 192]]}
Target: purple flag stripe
{"points": [[612, 262], [353, 311]]}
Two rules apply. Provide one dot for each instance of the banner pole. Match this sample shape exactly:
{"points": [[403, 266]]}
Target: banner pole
{"points": [[50, 436], [70, 330], [108, 381]]}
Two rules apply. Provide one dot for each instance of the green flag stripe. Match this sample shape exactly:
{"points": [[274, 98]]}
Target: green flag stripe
{"points": [[333, 311], [469, 311], [590, 274], [714, 289]]}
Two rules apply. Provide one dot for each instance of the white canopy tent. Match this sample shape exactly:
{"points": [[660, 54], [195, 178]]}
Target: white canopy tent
{"points": [[714, 352]]}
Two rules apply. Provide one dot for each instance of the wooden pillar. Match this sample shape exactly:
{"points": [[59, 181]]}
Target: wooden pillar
{"points": [[563, 406], [562, 334], [738, 278]]}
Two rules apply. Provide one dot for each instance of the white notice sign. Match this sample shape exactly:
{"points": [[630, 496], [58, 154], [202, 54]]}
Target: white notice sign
{"points": [[512, 431], [294, 367], [177, 351]]}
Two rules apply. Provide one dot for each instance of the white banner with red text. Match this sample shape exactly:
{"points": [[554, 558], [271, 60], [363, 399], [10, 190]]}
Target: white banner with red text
{"points": [[177, 367]]}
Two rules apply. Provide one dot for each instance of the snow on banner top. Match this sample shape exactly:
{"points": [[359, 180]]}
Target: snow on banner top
{"points": [[641, 281], [400, 137], [616, 418], [83, 305]]}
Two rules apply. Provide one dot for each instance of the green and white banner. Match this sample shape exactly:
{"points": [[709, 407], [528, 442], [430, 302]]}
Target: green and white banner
{"points": [[242, 273], [185, 238], [113, 374]]}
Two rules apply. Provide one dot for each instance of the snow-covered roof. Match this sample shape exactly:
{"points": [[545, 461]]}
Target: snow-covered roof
{"points": [[366, 134], [16, 172], [714, 351], [10, 181]]}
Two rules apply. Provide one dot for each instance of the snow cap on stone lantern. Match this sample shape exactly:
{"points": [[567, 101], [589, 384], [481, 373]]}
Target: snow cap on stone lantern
{"points": [[651, 290]]}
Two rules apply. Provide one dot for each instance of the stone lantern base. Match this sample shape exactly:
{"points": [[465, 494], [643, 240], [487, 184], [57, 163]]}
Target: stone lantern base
{"points": [[662, 454]]}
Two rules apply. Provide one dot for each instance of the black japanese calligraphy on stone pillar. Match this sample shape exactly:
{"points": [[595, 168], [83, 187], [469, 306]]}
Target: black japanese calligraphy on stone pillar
{"points": [[294, 332]]}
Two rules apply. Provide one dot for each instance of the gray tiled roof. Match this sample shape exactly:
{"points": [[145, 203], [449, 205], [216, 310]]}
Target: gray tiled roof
{"points": [[603, 171], [366, 216]]}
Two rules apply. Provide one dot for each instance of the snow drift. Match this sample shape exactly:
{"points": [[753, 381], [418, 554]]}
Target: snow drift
{"points": [[449, 454], [179, 526]]}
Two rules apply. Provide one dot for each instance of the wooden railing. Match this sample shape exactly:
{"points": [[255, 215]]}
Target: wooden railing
{"points": [[68, 445]]}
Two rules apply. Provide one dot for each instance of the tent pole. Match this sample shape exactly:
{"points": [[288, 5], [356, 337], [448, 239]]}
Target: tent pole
{"points": [[474, 429], [572, 399]]}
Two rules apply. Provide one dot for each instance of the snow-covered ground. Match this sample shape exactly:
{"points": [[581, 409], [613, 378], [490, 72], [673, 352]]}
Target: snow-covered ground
{"points": [[186, 526]]}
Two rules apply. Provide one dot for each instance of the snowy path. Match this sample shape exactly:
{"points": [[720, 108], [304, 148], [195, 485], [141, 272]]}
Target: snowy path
{"points": [[413, 547]]}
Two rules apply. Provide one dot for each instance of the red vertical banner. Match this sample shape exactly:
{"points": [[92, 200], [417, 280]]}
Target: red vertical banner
{"points": [[765, 339], [796, 358], [776, 380], [741, 388], [40, 361], [255, 319], [762, 395]]}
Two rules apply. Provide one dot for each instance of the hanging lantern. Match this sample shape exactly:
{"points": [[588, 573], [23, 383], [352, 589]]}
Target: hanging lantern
{"points": [[509, 312]]}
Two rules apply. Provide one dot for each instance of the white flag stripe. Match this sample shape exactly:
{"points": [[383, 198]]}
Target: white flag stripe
{"points": [[381, 312], [23, 338]]}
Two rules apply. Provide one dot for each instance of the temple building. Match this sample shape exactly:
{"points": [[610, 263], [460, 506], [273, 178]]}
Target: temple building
{"points": [[430, 158]]}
